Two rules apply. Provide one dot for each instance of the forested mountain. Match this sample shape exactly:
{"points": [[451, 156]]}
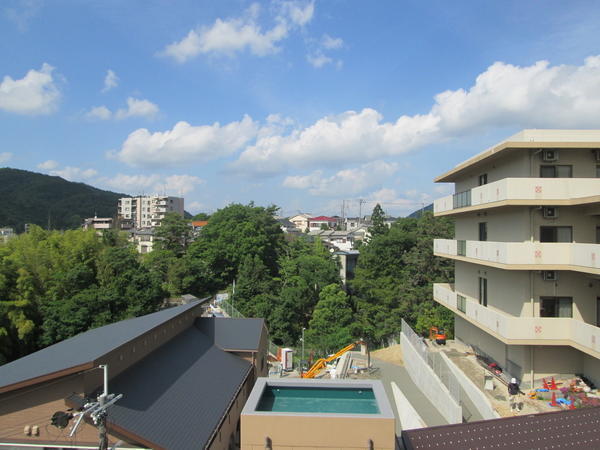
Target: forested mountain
{"points": [[50, 201]]}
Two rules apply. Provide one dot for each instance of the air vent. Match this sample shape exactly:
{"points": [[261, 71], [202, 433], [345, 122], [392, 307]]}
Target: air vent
{"points": [[550, 155], [550, 275], [550, 212]]}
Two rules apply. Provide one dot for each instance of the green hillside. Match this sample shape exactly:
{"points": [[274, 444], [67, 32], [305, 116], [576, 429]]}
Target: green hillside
{"points": [[44, 200]]}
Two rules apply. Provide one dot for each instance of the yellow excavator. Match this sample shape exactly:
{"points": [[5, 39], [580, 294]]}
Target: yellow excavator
{"points": [[322, 362]]}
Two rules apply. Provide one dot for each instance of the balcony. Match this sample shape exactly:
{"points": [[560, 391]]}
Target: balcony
{"points": [[522, 191], [521, 330], [523, 255]]}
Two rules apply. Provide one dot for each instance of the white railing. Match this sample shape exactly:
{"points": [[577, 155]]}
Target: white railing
{"points": [[525, 253], [586, 336], [534, 189]]}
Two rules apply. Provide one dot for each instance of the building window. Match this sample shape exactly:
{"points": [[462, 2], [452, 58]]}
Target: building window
{"points": [[461, 247], [556, 307], [556, 171], [597, 235], [556, 234], [482, 179], [483, 291], [483, 231], [461, 303], [461, 199], [597, 171]]}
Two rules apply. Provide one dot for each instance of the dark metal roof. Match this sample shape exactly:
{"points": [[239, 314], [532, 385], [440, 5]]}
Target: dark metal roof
{"points": [[578, 428], [85, 347], [177, 395], [232, 334]]}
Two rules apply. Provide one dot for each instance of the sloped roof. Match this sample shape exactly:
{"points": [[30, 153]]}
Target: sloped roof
{"points": [[565, 429], [232, 334], [84, 348], [324, 218], [176, 397]]}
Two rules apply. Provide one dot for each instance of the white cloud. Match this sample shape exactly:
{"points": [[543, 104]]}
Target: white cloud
{"points": [[48, 165], [181, 184], [35, 93], [331, 43], [344, 182], [135, 108], [74, 173], [5, 157], [185, 143], [535, 96], [99, 113], [153, 183], [318, 59], [300, 14], [195, 207], [138, 108], [111, 80], [229, 36]]}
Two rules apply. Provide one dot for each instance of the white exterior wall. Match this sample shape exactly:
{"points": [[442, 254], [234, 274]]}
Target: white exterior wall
{"points": [[514, 164]]}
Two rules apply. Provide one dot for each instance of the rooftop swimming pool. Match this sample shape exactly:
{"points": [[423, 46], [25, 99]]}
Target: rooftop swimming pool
{"points": [[300, 399]]}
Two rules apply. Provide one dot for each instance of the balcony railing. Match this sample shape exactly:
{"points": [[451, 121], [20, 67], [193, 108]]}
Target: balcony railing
{"points": [[533, 191], [580, 257], [559, 330]]}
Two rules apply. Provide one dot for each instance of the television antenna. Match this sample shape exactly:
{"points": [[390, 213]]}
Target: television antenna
{"points": [[97, 411]]}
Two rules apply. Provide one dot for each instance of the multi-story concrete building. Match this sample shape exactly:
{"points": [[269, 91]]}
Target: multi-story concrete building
{"points": [[146, 212], [527, 253]]}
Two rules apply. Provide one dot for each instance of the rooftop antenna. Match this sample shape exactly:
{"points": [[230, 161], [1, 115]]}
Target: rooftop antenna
{"points": [[97, 411]]}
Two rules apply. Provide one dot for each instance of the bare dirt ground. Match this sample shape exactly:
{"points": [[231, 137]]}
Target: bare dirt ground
{"points": [[391, 354]]}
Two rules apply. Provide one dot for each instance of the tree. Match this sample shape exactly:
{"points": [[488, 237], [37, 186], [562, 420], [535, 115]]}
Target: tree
{"points": [[235, 232], [329, 327], [378, 226], [201, 216], [173, 234]]}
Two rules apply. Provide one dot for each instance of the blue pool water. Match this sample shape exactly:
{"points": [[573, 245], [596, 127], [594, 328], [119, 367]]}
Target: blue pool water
{"points": [[318, 400]]}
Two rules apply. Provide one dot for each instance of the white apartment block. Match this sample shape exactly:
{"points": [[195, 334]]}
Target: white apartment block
{"points": [[147, 212], [527, 253]]}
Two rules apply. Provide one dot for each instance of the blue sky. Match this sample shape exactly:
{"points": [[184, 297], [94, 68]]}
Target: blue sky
{"points": [[301, 104]]}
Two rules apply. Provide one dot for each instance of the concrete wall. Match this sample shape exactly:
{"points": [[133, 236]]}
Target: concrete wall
{"points": [[510, 224], [311, 432], [513, 164], [591, 369]]}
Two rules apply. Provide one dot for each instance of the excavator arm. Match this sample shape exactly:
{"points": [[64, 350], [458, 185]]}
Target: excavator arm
{"points": [[322, 362]]}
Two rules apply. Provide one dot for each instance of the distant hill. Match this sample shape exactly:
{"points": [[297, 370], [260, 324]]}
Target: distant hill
{"points": [[420, 211], [29, 197]]}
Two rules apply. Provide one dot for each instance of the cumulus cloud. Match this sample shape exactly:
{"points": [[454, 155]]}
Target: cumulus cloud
{"points": [[99, 113], [5, 157], [347, 181], [173, 184], [111, 80], [318, 56], [48, 165], [185, 143], [135, 108], [35, 93], [534, 96], [229, 36], [74, 173]]}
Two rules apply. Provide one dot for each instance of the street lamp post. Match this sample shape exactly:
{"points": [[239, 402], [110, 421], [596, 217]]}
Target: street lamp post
{"points": [[302, 359]]}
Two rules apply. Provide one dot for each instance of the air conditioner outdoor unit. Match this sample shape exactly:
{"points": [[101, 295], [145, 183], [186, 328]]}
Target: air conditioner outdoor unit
{"points": [[550, 212], [550, 275], [550, 155]]}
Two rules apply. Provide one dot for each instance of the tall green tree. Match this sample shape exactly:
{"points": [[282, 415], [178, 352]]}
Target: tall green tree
{"points": [[329, 328], [174, 234], [378, 226]]}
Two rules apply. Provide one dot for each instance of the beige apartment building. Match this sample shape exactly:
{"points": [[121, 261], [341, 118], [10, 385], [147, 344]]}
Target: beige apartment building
{"points": [[147, 212], [527, 253]]}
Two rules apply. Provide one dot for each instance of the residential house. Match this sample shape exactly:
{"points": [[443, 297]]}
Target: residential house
{"points": [[98, 223], [526, 253], [6, 233], [300, 221], [321, 222], [184, 380]]}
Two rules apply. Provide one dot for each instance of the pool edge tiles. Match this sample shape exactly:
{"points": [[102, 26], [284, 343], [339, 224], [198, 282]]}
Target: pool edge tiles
{"points": [[333, 430]]}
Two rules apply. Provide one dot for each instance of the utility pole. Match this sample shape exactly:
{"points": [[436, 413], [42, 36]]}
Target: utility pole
{"points": [[97, 411], [360, 203], [302, 359]]}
